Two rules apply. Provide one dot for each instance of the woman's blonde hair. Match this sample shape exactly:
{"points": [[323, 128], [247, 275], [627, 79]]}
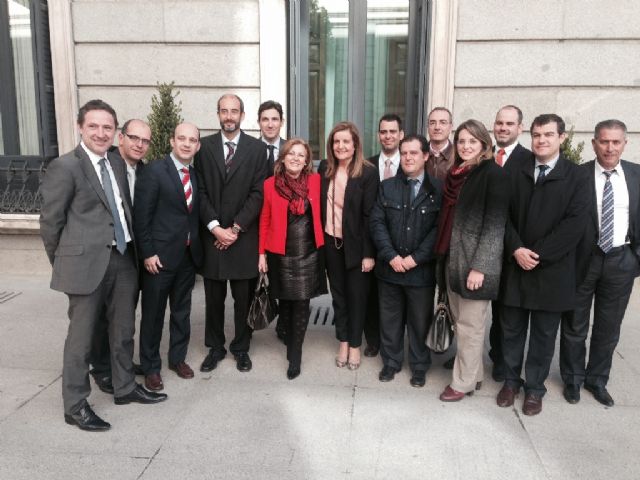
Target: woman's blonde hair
{"points": [[278, 168]]}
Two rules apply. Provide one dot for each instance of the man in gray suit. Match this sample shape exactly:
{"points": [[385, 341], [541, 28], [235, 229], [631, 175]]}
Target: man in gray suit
{"points": [[85, 225]]}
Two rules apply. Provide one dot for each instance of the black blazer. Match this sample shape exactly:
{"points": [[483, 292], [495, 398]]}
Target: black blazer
{"points": [[550, 220], [162, 221], [516, 159], [234, 197], [589, 243], [359, 198]]}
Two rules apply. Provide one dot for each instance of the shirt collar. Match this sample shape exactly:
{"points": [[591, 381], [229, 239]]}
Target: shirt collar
{"points": [[550, 164], [94, 157], [177, 162], [442, 150], [235, 139], [508, 150], [276, 143], [600, 170], [395, 158]]}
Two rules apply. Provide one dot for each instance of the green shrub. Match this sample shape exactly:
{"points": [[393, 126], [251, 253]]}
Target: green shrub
{"points": [[163, 119]]}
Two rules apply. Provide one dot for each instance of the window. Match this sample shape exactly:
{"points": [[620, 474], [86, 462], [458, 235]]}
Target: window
{"points": [[356, 60], [27, 116]]}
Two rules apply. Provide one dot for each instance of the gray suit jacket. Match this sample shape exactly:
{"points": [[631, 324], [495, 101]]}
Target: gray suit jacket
{"points": [[76, 224]]}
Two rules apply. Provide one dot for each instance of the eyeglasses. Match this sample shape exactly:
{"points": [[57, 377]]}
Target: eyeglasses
{"points": [[137, 139]]}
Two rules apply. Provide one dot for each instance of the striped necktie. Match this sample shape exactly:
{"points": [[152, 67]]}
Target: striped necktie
{"points": [[186, 185], [606, 217]]}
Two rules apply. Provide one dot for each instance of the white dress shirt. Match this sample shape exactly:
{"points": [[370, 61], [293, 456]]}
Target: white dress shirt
{"points": [[620, 202], [395, 163], [551, 165], [508, 150]]}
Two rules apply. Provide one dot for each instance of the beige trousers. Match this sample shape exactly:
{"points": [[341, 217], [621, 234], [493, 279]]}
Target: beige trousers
{"points": [[470, 320]]}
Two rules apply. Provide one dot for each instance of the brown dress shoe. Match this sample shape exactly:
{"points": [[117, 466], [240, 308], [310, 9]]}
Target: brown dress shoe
{"points": [[182, 369], [451, 395], [153, 382], [532, 404], [506, 396]]}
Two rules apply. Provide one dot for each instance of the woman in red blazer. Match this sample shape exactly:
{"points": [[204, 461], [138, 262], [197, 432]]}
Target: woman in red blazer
{"points": [[290, 243]]}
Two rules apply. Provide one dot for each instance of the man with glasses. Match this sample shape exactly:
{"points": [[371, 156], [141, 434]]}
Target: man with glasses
{"points": [[133, 143], [231, 169], [440, 123]]}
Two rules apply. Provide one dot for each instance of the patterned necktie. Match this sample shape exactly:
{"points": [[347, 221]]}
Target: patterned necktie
{"points": [[186, 185], [387, 169], [500, 157], [230, 152], [543, 173], [121, 244], [271, 158], [606, 217]]}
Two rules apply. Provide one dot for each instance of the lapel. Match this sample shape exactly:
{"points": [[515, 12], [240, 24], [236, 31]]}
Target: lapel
{"points": [[238, 156], [593, 202], [633, 187], [120, 173], [218, 153], [173, 174], [558, 172], [90, 174]]}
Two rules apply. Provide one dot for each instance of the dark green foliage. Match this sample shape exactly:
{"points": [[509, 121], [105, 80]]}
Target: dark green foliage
{"points": [[573, 154], [164, 116]]}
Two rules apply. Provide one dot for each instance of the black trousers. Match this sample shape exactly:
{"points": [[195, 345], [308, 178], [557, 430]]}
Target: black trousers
{"points": [[372, 319], [609, 281], [294, 315], [349, 291], [543, 328], [115, 296], [177, 287], [495, 334], [215, 292], [417, 302]]}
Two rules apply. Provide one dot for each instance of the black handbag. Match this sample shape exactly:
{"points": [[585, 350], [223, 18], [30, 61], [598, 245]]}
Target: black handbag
{"points": [[441, 331], [264, 308]]}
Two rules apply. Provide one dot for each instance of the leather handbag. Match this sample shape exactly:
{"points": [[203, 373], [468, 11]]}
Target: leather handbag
{"points": [[264, 308], [441, 331]]}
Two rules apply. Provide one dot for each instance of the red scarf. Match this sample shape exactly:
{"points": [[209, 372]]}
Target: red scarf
{"points": [[452, 187], [295, 190]]}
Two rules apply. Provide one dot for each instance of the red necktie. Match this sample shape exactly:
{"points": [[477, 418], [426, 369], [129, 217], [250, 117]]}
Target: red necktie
{"points": [[500, 157], [186, 185]]}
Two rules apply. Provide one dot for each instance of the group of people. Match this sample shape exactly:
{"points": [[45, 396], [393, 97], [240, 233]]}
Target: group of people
{"points": [[528, 232]]}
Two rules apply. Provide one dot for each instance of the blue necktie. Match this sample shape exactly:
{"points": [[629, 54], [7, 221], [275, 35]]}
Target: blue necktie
{"points": [[542, 174], [606, 217], [412, 184], [121, 244]]}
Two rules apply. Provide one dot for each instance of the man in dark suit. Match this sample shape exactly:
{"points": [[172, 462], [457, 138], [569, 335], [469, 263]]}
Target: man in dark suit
{"points": [[271, 119], [509, 154], [441, 150], [607, 265], [547, 214], [231, 169], [390, 133], [133, 143], [86, 227], [167, 231]]}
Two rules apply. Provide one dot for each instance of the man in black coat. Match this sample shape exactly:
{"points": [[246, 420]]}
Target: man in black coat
{"points": [[166, 224], [607, 265], [509, 154], [270, 120], [547, 214], [387, 162], [404, 224], [133, 143], [231, 169]]}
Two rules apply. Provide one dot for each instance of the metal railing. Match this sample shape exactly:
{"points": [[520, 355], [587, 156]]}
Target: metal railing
{"points": [[21, 193]]}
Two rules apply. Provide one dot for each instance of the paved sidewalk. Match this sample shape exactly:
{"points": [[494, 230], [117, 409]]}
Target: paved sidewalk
{"points": [[329, 423]]}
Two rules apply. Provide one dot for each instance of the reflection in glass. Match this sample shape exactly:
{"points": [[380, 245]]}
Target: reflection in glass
{"points": [[386, 65], [21, 43], [328, 69], [1, 137]]}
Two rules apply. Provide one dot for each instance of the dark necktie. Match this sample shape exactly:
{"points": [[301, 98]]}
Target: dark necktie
{"points": [[231, 149], [121, 244], [412, 185], [271, 158], [543, 173], [606, 217]]}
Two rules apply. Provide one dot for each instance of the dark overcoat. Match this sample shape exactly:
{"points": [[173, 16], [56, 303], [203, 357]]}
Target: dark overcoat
{"points": [[233, 197], [548, 219], [477, 236]]}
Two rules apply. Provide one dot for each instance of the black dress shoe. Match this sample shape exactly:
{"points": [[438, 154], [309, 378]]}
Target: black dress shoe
{"points": [[103, 381], [498, 372], [600, 394], [243, 362], [449, 363], [86, 419], [418, 378], [387, 373], [293, 372], [371, 351], [211, 361], [137, 369], [140, 395], [571, 393]]}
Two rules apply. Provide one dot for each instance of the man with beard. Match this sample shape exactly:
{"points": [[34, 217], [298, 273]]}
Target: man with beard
{"points": [[231, 169]]}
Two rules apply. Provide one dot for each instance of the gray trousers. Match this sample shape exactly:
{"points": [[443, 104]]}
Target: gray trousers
{"points": [[117, 294]]}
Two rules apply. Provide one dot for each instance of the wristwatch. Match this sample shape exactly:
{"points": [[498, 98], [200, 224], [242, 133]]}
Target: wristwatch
{"points": [[236, 228]]}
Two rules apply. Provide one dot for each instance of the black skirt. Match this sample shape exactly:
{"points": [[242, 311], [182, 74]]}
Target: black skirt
{"points": [[299, 273]]}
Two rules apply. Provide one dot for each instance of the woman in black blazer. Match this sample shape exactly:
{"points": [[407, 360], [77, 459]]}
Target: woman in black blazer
{"points": [[348, 192]]}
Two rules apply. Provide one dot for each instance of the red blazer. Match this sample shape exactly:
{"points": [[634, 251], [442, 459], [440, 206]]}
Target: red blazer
{"points": [[273, 218]]}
